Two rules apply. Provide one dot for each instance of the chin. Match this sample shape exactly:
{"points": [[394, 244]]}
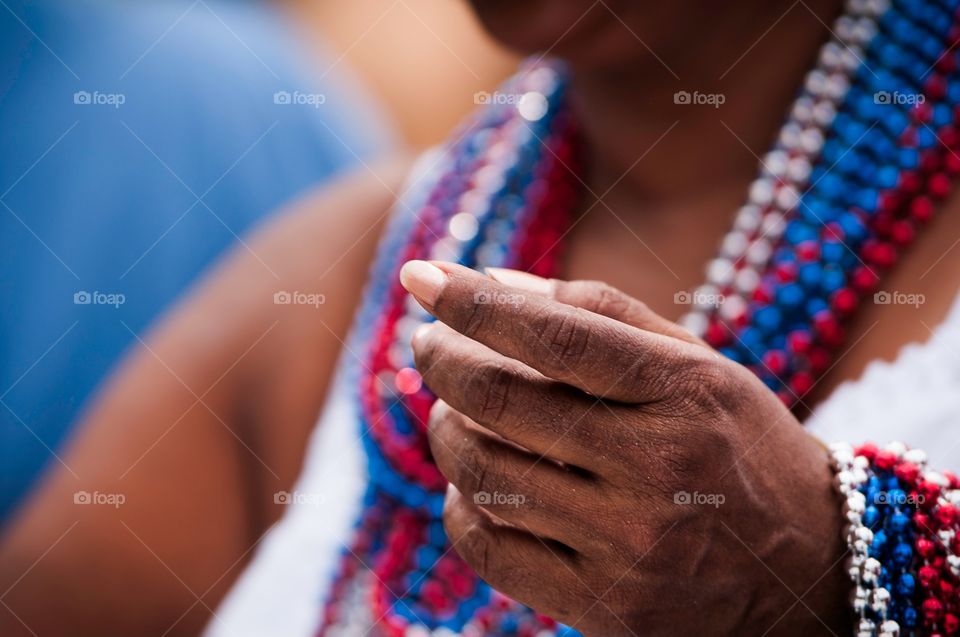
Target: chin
{"points": [[532, 26]]}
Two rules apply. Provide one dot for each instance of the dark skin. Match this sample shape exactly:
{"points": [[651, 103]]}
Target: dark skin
{"points": [[199, 476], [598, 412]]}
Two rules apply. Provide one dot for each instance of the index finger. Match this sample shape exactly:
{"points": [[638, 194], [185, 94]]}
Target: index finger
{"points": [[594, 353]]}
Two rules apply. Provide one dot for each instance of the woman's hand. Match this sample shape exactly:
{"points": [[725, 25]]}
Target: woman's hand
{"points": [[613, 472]]}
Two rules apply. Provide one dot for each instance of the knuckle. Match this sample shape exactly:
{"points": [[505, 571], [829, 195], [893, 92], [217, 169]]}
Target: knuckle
{"points": [[493, 386], [564, 335], [608, 300], [476, 545], [479, 467], [478, 315], [698, 386]]}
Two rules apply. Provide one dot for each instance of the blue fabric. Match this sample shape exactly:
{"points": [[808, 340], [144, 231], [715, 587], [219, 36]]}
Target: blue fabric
{"points": [[114, 119]]}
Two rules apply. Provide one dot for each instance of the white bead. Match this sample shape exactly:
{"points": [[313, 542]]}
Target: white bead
{"points": [[720, 272], [747, 280], [747, 219], [937, 478], [734, 244], [842, 459], [733, 308], [775, 162], [798, 169], [706, 297], [774, 223], [761, 192], [695, 322], [811, 140], [889, 628], [803, 109], [787, 197], [790, 135], [865, 628], [916, 456], [463, 226], [759, 252], [897, 448], [840, 445]]}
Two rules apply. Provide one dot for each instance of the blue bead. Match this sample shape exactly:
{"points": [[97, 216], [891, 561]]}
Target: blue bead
{"points": [[853, 228], [809, 276], [815, 305], [767, 319], [871, 516], [899, 522], [907, 585], [832, 251], [902, 554], [790, 296], [909, 617], [732, 354]]}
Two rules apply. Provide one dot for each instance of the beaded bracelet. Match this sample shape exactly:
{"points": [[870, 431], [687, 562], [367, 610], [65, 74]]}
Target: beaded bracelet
{"points": [[902, 535]]}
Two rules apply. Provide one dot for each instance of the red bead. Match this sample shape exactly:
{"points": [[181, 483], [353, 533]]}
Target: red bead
{"points": [[922, 209], [921, 112], [820, 359], [950, 623], [929, 490], [844, 301], [946, 515], [801, 383], [902, 232], [907, 472], [864, 280], [786, 272], [935, 87], [932, 609], [775, 360], [717, 335], [939, 185], [928, 577], [798, 341], [925, 547], [808, 251], [952, 163], [885, 460], [867, 450], [910, 181]]}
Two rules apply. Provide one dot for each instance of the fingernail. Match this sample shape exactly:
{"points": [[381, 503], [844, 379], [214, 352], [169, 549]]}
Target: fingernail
{"points": [[423, 280], [521, 280], [420, 332]]}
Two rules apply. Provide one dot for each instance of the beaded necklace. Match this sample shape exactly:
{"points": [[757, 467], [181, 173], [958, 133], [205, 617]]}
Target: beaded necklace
{"points": [[866, 151]]}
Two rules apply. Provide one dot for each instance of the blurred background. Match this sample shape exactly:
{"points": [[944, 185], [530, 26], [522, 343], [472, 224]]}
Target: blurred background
{"points": [[422, 59], [142, 140]]}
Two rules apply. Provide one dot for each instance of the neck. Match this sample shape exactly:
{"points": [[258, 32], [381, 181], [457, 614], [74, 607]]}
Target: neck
{"points": [[651, 149]]}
